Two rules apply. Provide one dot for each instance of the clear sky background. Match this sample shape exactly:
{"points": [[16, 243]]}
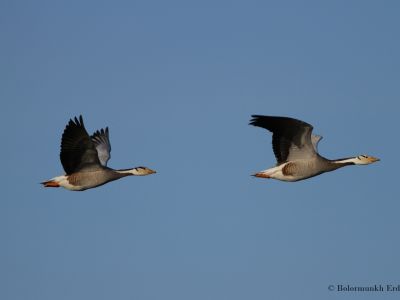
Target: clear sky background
{"points": [[176, 82]]}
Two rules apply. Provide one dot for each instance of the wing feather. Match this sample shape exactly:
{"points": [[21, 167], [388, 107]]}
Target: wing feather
{"points": [[76, 147], [291, 138], [101, 140]]}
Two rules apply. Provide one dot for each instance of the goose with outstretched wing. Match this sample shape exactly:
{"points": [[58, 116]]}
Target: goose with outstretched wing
{"points": [[84, 159], [295, 149]]}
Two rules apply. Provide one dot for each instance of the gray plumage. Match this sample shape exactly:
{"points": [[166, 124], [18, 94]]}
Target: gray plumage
{"points": [[101, 141]]}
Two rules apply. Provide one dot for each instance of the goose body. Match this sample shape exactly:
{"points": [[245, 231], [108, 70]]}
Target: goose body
{"points": [[84, 159], [296, 150]]}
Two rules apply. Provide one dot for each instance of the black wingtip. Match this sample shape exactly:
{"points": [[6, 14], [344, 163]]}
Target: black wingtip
{"points": [[254, 120], [77, 121], [107, 133]]}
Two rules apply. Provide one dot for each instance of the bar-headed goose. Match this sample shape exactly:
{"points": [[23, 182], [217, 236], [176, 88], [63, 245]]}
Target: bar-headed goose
{"points": [[84, 159], [295, 149]]}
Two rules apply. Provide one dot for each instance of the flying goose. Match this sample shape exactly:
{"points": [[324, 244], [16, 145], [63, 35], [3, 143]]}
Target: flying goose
{"points": [[84, 159], [295, 149]]}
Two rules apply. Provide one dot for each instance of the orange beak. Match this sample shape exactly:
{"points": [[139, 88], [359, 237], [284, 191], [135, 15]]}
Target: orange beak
{"points": [[373, 159]]}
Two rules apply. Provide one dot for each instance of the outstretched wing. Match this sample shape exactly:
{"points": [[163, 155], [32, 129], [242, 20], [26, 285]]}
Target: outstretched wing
{"points": [[291, 138], [76, 147], [101, 140], [315, 139]]}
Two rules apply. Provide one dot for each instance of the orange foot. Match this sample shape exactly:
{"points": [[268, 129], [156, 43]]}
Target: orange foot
{"points": [[261, 175], [50, 184]]}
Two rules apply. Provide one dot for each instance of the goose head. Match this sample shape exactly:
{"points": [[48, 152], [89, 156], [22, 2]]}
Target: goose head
{"points": [[138, 171], [142, 171], [365, 159]]}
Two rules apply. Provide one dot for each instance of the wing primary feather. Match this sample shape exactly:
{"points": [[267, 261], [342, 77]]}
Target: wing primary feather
{"points": [[100, 139], [77, 148], [291, 138]]}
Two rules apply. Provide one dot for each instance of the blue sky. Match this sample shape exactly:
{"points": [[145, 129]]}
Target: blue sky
{"points": [[176, 82]]}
